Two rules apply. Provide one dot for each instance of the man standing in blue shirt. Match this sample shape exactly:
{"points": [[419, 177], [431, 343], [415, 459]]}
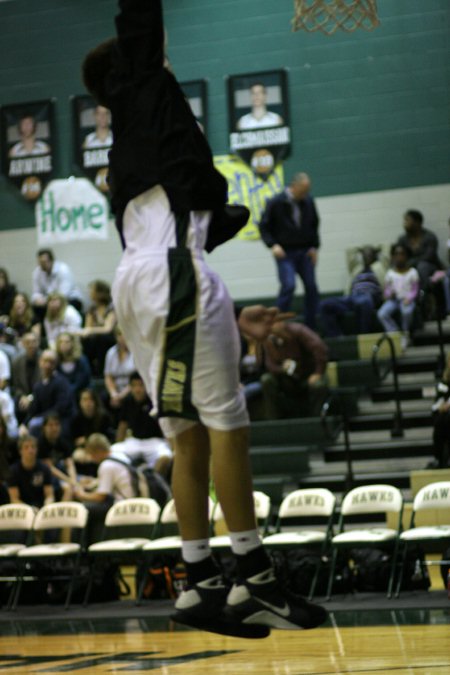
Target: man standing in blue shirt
{"points": [[290, 228]]}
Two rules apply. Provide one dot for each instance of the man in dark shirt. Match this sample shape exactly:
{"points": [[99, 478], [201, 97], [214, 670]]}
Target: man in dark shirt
{"points": [[145, 444], [290, 228], [30, 480], [25, 374], [51, 394], [56, 452], [135, 413], [424, 246]]}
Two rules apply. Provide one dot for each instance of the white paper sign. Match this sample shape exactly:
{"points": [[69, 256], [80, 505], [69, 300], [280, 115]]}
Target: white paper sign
{"points": [[71, 210]]}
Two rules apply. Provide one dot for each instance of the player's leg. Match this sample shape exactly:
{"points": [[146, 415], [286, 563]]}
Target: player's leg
{"points": [[257, 597], [221, 405], [232, 477], [202, 604], [190, 482]]}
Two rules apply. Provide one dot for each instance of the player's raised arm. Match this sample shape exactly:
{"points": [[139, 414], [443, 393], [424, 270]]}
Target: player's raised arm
{"points": [[140, 34]]}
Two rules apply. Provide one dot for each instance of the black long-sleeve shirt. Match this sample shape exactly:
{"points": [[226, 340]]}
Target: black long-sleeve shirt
{"points": [[53, 395], [281, 225], [427, 249], [156, 137]]}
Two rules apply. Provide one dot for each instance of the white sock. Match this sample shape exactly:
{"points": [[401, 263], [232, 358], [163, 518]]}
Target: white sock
{"points": [[195, 550], [244, 542]]}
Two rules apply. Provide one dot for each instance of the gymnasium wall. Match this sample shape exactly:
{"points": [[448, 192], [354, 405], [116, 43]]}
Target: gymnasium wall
{"points": [[369, 117]]}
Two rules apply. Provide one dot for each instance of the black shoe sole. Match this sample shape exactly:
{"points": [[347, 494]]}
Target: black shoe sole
{"points": [[222, 626]]}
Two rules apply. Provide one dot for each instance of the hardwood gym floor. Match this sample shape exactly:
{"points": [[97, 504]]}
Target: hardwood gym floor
{"points": [[401, 641]]}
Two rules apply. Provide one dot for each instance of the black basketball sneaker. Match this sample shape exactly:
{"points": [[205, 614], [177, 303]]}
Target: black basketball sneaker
{"points": [[262, 600], [202, 606]]}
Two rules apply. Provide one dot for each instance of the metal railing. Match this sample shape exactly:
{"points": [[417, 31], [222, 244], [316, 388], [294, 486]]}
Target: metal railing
{"points": [[341, 403], [397, 427]]}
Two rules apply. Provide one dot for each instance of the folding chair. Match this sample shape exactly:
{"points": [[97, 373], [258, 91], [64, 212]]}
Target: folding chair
{"points": [[169, 539], [297, 510], [16, 523], [357, 504], [59, 516], [262, 511], [432, 496], [120, 543]]}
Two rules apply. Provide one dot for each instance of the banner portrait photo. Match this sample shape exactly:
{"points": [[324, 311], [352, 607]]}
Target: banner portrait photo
{"points": [[259, 119], [27, 146], [92, 139], [195, 92]]}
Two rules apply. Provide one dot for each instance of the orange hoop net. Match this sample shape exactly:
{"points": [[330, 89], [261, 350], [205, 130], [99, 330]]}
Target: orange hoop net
{"points": [[330, 15]]}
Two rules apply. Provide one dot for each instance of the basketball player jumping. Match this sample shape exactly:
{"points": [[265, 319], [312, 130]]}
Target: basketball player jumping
{"points": [[179, 322]]}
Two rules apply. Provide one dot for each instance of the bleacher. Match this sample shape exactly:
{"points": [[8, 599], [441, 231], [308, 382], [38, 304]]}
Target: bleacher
{"points": [[389, 429]]}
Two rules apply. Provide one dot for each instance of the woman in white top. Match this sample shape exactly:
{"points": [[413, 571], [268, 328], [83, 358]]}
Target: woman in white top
{"points": [[60, 317], [401, 288], [119, 364]]}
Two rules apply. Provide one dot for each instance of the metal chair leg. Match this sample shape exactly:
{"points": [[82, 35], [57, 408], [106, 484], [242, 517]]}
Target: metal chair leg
{"points": [[89, 585], [315, 579], [331, 576], [393, 570], [402, 569]]}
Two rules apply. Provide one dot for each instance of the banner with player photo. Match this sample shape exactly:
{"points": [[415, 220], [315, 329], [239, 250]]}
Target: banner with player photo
{"points": [[28, 145], [195, 92], [259, 119], [92, 139]]}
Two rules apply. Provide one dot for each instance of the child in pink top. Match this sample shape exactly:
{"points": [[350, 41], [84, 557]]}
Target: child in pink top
{"points": [[401, 288]]}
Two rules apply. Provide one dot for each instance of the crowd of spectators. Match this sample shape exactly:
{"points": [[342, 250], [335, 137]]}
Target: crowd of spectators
{"points": [[66, 373], [66, 376]]}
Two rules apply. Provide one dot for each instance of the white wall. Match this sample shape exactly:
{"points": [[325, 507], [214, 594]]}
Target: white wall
{"points": [[247, 267], [346, 221]]}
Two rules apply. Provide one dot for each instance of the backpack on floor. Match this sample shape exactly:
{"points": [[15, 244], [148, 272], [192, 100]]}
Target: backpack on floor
{"points": [[297, 567], [164, 579], [372, 569]]}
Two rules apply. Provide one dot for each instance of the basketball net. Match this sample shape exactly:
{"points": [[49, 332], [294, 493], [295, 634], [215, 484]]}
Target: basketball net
{"points": [[330, 15]]}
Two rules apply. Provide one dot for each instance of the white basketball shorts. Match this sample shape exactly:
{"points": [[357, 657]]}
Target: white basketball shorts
{"points": [[177, 318]]}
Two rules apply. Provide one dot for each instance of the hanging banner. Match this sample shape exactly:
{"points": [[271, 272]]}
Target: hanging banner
{"points": [[27, 146], [246, 187], [258, 119], [195, 92], [71, 210], [92, 139]]}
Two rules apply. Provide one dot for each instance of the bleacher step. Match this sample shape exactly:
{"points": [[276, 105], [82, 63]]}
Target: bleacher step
{"points": [[380, 449], [337, 482], [276, 459], [410, 420], [298, 431], [407, 392], [417, 364]]}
